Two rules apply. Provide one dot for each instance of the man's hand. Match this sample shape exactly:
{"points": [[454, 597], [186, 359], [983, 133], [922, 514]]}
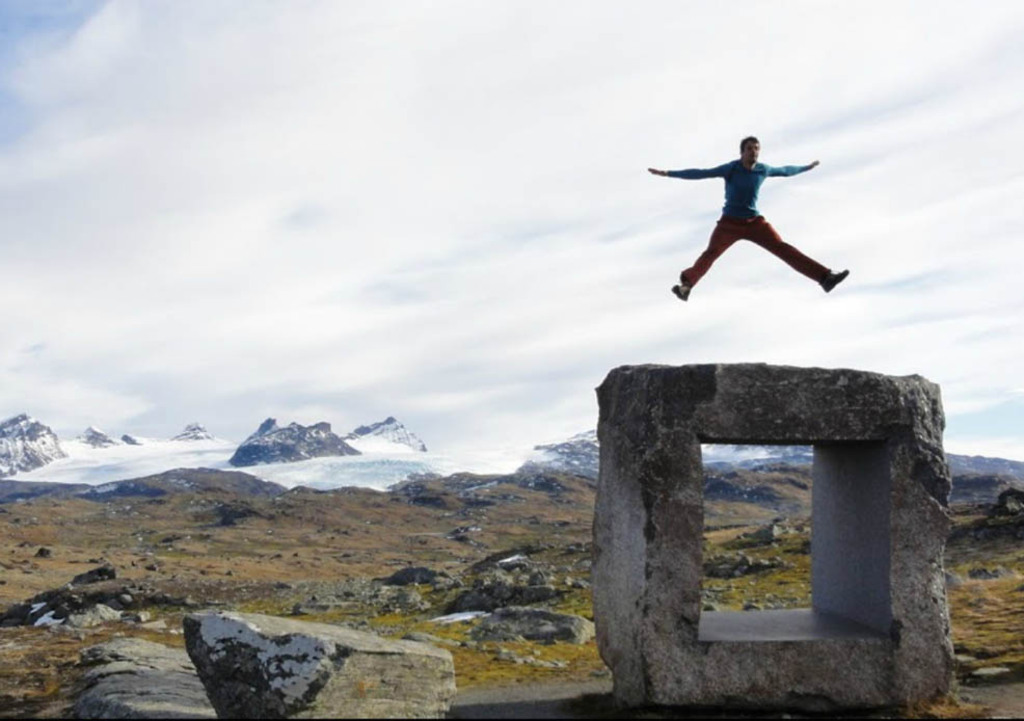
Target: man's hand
{"points": [[814, 165], [654, 171]]}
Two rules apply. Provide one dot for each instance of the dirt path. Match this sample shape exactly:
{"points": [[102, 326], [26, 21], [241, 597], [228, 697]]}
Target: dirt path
{"points": [[549, 701], [593, 700], [1005, 700]]}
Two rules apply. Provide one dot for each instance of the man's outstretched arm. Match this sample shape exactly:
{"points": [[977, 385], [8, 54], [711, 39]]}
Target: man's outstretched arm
{"points": [[693, 173], [787, 170]]}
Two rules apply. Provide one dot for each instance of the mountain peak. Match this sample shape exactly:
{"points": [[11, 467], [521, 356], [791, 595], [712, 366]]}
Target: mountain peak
{"points": [[26, 444], [194, 432], [266, 427], [389, 430], [273, 444], [20, 418], [96, 438]]}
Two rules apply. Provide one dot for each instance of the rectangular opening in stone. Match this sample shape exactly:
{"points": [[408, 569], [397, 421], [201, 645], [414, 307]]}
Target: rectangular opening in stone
{"points": [[763, 578], [757, 527]]}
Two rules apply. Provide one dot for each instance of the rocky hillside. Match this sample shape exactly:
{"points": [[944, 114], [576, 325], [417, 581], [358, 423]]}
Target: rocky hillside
{"points": [[984, 465], [782, 488], [176, 481], [981, 487], [14, 491], [186, 480]]}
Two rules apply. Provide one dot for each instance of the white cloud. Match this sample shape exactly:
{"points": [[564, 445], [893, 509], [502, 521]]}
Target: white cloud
{"points": [[440, 210]]}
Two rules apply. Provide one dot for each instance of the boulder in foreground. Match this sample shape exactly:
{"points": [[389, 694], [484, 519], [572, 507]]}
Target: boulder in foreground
{"points": [[256, 666]]}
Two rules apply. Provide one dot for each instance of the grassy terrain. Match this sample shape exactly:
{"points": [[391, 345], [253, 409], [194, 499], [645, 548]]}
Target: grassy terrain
{"points": [[305, 543], [986, 615]]}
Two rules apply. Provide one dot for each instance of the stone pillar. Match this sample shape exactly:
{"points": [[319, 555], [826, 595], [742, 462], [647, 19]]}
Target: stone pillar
{"points": [[878, 631]]}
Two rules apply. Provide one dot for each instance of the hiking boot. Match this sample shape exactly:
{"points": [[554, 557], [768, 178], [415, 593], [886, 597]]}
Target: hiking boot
{"points": [[682, 292], [831, 280]]}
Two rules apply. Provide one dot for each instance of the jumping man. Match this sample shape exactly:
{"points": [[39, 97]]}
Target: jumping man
{"points": [[741, 220]]}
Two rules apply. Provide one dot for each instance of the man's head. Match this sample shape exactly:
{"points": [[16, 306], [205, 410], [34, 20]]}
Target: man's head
{"points": [[750, 148]]}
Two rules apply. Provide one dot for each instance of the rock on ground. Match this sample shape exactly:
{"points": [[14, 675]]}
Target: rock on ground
{"points": [[134, 679], [105, 572], [407, 576], [533, 624], [1010, 503], [256, 666], [94, 616], [491, 593]]}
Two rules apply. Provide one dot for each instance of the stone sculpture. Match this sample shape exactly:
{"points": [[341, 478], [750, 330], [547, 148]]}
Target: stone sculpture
{"points": [[878, 631]]}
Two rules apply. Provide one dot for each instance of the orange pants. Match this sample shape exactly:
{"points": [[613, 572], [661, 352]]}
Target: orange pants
{"points": [[756, 230]]}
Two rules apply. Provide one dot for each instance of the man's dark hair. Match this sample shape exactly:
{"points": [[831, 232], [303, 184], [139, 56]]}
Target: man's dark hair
{"points": [[748, 139]]}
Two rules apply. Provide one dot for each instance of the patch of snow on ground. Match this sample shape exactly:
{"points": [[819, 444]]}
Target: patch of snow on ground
{"points": [[456, 617], [513, 559], [482, 486], [105, 488], [47, 619]]}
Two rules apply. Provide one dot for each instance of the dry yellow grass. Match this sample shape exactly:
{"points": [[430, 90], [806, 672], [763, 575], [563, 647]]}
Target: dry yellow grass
{"points": [[39, 670], [949, 707]]}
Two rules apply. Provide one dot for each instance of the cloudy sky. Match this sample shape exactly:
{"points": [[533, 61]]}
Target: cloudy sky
{"points": [[220, 211]]}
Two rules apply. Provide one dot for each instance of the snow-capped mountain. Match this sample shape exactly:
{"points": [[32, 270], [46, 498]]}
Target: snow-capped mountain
{"points": [[387, 435], [273, 444], [580, 454], [194, 432], [385, 463], [96, 438], [26, 444]]}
